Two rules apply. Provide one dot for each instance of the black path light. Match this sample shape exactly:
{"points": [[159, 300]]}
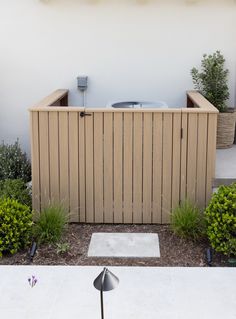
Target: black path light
{"points": [[105, 281], [32, 251]]}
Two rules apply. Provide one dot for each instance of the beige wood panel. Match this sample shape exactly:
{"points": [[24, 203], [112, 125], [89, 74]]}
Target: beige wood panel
{"points": [[133, 167], [54, 97], [89, 168], [75, 109], [183, 156], [192, 157], [197, 110], [157, 167], [64, 159], [201, 160], [211, 153], [74, 167], [167, 167], [128, 168], [44, 159], [118, 164], [147, 168], [108, 168], [138, 169], [98, 168], [54, 158], [34, 135], [82, 186], [176, 161], [200, 102]]}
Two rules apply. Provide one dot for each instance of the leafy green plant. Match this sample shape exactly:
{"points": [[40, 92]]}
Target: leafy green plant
{"points": [[51, 224], [211, 81], [15, 226], [16, 189], [62, 248], [221, 220], [187, 221], [14, 162]]}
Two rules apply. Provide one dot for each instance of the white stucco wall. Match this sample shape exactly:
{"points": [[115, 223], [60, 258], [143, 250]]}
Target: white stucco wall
{"points": [[128, 48]]}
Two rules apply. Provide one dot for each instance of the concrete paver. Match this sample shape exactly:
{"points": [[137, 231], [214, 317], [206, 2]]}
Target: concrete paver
{"points": [[124, 245]]}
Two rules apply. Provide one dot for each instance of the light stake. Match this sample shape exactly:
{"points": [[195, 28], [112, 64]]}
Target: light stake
{"points": [[33, 249], [105, 281]]}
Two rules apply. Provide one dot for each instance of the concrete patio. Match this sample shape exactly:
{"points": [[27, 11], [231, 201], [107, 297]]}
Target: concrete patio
{"points": [[226, 163], [143, 292]]}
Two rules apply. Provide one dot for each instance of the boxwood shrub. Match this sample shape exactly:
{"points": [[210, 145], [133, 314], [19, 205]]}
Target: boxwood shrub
{"points": [[15, 226], [221, 220]]}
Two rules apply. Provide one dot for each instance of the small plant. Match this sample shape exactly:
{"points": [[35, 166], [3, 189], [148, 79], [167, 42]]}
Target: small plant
{"points": [[187, 221], [62, 248], [16, 189], [15, 226], [32, 281], [51, 224], [221, 220], [212, 80], [14, 162]]}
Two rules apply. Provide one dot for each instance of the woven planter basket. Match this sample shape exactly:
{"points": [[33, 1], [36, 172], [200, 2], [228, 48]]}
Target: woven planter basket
{"points": [[225, 129]]}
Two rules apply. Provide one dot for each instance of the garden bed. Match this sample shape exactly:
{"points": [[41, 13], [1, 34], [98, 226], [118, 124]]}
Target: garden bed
{"points": [[174, 251]]}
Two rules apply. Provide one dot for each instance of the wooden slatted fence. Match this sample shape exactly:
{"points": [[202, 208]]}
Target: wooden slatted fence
{"points": [[119, 165]]}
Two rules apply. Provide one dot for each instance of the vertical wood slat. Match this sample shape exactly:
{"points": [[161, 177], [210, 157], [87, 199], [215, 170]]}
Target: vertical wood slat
{"points": [[108, 168], [183, 155], [147, 168], [127, 167], [81, 155], [64, 159], [118, 165], [137, 169], [157, 167], [44, 159], [211, 153], [192, 157], [201, 160], [89, 168], [98, 168], [34, 127], [73, 167], [167, 165], [176, 160], [54, 158]]}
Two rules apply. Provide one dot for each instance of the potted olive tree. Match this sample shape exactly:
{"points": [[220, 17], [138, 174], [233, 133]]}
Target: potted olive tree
{"points": [[211, 82]]}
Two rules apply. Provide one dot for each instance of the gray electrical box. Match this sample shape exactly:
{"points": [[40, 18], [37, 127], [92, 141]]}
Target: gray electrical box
{"points": [[82, 82]]}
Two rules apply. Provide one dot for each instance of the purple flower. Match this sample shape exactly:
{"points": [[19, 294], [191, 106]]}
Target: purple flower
{"points": [[32, 281]]}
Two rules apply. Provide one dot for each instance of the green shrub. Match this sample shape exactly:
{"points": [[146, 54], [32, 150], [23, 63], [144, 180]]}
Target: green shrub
{"points": [[15, 226], [211, 81], [221, 220], [14, 163], [187, 221], [51, 224], [16, 189]]}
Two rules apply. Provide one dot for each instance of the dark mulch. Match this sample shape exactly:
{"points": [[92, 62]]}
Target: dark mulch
{"points": [[174, 251]]}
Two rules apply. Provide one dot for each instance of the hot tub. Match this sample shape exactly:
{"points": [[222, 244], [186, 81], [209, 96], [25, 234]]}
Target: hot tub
{"points": [[137, 104]]}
